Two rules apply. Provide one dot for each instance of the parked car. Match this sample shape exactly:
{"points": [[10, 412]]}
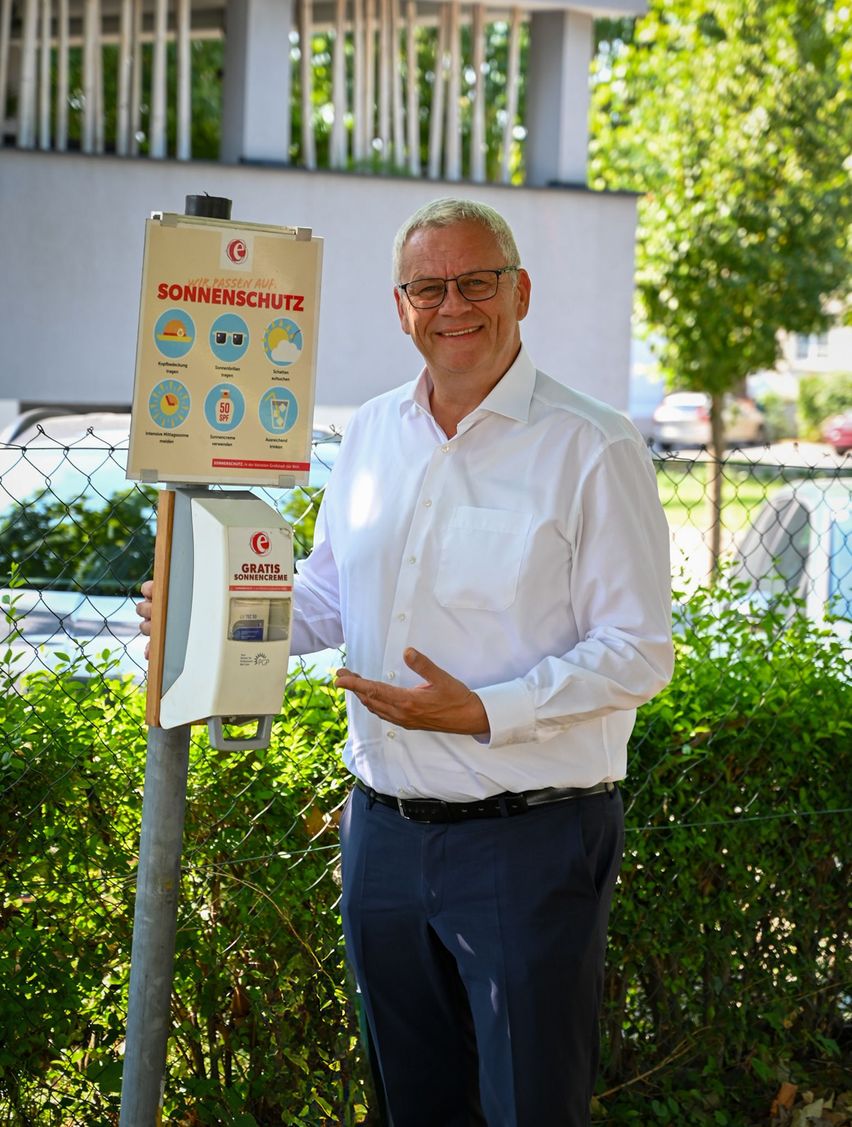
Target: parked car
{"points": [[800, 544], [78, 461], [837, 431], [683, 420]]}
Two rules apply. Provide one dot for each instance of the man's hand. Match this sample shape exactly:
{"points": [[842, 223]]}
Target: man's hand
{"points": [[145, 609], [442, 704]]}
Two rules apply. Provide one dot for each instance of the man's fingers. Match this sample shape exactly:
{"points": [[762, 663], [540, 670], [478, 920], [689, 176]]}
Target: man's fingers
{"points": [[346, 679], [422, 665], [146, 608]]}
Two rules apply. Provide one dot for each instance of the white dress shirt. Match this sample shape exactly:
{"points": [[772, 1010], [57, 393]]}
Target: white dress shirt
{"points": [[528, 555]]}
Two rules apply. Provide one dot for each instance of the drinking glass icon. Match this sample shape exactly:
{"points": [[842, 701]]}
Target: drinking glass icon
{"points": [[279, 409]]}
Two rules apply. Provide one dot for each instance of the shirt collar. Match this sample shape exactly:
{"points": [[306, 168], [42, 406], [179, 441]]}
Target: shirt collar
{"points": [[511, 396]]}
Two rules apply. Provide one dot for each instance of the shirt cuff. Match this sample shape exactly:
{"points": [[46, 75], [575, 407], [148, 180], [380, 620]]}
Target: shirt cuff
{"points": [[511, 713]]}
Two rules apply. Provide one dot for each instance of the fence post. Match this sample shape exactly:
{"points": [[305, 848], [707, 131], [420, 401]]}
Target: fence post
{"points": [[154, 926]]}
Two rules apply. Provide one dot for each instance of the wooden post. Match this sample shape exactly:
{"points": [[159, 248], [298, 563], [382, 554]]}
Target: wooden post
{"points": [[160, 599]]}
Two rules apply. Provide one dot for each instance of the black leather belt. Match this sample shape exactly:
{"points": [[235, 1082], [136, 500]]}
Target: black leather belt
{"points": [[499, 806]]}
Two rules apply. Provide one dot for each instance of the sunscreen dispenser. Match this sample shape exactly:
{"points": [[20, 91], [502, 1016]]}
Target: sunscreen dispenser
{"points": [[230, 597]]}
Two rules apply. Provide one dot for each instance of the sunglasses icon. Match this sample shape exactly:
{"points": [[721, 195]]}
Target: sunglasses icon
{"points": [[222, 338]]}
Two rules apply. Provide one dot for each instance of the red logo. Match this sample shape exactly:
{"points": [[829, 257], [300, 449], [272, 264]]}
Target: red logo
{"points": [[260, 544], [236, 250]]}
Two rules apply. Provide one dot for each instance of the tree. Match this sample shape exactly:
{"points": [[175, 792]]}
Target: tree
{"points": [[733, 117]]}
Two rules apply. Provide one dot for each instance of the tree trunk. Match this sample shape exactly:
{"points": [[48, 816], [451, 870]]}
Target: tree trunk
{"points": [[714, 482]]}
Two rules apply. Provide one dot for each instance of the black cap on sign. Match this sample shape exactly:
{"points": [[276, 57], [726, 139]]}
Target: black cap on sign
{"points": [[209, 207]]}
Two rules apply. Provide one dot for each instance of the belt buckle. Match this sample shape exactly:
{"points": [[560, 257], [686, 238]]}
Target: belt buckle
{"points": [[424, 809]]}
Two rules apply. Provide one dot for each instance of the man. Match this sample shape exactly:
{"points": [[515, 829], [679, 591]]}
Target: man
{"points": [[493, 554]]}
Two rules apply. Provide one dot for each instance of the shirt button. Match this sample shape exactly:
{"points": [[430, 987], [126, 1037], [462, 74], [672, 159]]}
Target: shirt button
{"points": [[446, 448], [401, 617], [391, 734], [427, 504], [412, 559], [391, 675]]}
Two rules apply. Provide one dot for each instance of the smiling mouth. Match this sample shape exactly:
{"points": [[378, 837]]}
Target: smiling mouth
{"points": [[459, 332]]}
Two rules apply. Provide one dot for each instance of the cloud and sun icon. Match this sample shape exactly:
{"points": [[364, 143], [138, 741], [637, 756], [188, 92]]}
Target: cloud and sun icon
{"points": [[282, 342]]}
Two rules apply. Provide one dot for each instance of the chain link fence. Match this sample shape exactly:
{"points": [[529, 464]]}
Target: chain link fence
{"points": [[729, 954]]}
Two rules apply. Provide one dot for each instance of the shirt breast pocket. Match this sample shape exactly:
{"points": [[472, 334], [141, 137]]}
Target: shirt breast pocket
{"points": [[481, 556]]}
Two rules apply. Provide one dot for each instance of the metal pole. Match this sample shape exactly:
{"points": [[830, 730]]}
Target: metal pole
{"points": [[154, 926], [152, 955]]}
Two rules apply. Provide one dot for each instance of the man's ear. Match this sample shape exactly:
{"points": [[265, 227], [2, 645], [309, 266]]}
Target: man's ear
{"points": [[523, 288], [402, 310]]}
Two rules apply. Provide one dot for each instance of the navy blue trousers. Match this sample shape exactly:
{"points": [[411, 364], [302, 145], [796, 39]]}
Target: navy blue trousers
{"points": [[478, 948]]}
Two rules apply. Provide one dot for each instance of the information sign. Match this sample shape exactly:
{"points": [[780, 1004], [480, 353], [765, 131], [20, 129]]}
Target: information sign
{"points": [[226, 353]]}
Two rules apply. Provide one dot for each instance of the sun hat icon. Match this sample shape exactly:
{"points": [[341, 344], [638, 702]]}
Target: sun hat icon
{"points": [[174, 330]]}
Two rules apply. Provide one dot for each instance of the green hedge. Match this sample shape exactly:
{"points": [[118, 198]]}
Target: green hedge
{"points": [[264, 1032], [729, 952]]}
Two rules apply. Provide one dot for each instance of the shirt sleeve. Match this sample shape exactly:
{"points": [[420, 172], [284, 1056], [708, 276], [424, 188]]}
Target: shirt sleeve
{"points": [[620, 591], [316, 596]]}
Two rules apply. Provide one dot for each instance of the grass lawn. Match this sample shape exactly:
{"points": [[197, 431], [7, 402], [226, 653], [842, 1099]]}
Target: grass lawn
{"points": [[684, 492]]}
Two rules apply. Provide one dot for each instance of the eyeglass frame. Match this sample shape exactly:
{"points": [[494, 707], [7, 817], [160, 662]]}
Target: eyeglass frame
{"points": [[498, 271]]}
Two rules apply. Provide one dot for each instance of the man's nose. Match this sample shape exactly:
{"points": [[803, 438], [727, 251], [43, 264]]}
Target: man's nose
{"points": [[454, 299]]}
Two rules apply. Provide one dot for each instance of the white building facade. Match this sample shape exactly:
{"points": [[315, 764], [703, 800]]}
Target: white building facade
{"points": [[73, 216]]}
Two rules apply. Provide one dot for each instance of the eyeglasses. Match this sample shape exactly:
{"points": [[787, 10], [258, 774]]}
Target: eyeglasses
{"points": [[478, 285], [222, 338]]}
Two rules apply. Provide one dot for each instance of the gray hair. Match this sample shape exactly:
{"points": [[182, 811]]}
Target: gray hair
{"points": [[444, 213]]}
